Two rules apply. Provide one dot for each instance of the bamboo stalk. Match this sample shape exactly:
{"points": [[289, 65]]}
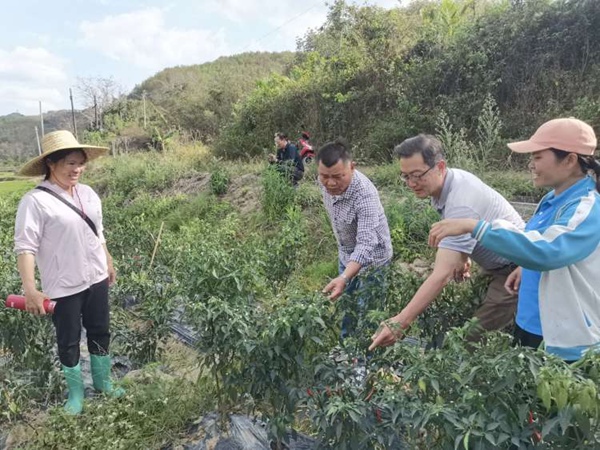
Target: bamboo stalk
{"points": [[162, 224]]}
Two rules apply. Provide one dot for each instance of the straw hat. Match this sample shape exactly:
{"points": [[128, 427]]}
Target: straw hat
{"points": [[54, 142]]}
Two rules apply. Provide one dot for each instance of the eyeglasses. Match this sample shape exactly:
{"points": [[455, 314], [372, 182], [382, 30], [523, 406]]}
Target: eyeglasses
{"points": [[406, 177]]}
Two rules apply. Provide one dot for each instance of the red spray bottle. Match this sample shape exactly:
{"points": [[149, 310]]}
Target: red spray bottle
{"points": [[18, 302]]}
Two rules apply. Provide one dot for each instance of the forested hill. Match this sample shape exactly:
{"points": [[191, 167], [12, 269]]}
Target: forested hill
{"points": [[472, 70], [377, 76], [200, 98], [17, 132], [197, 98]]}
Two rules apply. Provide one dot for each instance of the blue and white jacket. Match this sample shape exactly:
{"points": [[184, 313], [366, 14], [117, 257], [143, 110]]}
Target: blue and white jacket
{"points": [[566, 252]]}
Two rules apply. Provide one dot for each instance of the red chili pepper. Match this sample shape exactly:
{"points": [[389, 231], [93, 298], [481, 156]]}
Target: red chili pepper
{"points": [[537, 436], [378, 414], [328, 390], [309, 392]]}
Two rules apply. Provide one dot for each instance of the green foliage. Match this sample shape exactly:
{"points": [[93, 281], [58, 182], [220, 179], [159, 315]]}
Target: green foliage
{"points": [[154, 293], [451, 397], [286, 246], [497, 69], [16, 187], [152, 413], [278, 195], [219, 180], [149, 172], [277, 364], [386, 176], [409, 220], [26, 341], [316, 274], [486, 153], [516, 186], [200, 98], [247, 286], [225, 330], [196, 207]]}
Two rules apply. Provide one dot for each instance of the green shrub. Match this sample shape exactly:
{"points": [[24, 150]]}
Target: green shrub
{"points": [[154, 292], [277, 194], [203, 206], [385, 176], [498, 396], [219, 180], [514, 186], [409, 220], [286, 247]]}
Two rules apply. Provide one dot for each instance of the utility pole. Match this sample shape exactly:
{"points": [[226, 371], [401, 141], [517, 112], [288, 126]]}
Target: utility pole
{"points": [[37, 135], [144, 106], [41, 119], [95, 113], [73, 113]]}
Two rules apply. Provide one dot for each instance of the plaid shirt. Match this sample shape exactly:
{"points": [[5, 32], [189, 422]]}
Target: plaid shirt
{"points": [[359, 223]]}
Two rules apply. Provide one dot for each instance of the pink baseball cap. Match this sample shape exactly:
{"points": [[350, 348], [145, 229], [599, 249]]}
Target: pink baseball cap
{"points": [[569, 134]]}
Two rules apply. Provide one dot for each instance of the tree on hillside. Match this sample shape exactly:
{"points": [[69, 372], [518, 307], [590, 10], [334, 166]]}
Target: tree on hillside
{"points": [[97, 94], [200, 99], [378, 76]]}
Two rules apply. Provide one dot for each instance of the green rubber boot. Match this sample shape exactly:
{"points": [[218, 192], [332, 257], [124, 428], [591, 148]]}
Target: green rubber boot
{"points": [[74, 381], [101, 376]]}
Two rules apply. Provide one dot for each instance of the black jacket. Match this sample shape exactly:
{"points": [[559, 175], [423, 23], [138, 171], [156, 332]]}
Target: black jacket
{"points": [[290, 153]]}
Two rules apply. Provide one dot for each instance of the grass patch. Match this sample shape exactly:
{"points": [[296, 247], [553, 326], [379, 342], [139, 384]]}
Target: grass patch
{"points": [[17, 186], [155, 412], [316, 275]]}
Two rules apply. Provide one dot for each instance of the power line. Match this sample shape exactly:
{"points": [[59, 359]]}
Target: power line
{"points": [[281, 26]]}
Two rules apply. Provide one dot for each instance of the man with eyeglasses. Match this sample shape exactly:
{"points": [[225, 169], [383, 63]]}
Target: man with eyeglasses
{"points": [[454, 193]]}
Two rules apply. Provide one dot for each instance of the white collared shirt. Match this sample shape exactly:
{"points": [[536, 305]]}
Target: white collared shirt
{"points": [[466, 196], [68, 254]]}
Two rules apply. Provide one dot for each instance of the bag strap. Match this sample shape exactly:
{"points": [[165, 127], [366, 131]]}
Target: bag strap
{"points": [[74, 208]]}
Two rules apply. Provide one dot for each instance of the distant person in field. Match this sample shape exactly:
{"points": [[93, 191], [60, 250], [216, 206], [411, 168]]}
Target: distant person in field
{"points": [[454, 193], [359, 224], [59, 229], [559, 251], [288, 160]]}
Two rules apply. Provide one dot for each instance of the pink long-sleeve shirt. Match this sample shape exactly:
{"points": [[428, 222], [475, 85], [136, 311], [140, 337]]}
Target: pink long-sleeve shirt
{"points": [[68, 254]]}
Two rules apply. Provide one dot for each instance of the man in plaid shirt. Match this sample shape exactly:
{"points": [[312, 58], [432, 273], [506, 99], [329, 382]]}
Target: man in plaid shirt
{"points": [[357, 218]]}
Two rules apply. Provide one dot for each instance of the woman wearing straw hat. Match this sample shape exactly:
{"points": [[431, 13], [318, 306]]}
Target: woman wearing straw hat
{"points": [[559, 250], [59, 228]]}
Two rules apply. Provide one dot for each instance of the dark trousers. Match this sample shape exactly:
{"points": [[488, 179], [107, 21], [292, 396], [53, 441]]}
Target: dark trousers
{"points": [[497, 311], [89, 307], [291, 173], [526, 339], [369, 290]]}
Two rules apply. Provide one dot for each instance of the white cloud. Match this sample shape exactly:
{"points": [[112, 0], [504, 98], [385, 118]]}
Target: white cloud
{"points": [[279, 11], [286, 20], [141, 38], [281, 35], [28, 75], [248, 12]]}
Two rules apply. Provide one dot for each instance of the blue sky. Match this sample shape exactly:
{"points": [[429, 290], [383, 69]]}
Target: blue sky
{"points": [[46, 46]]}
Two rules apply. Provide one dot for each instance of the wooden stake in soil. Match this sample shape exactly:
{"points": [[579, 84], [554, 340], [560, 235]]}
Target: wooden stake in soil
{"points": [[162, 224]]}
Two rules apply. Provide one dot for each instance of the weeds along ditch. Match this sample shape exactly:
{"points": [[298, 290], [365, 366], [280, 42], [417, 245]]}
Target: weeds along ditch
{"points": [[248, 285]]}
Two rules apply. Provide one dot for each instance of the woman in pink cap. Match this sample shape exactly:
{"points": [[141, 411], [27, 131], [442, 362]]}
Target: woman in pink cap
{"points": [[558, 252]]}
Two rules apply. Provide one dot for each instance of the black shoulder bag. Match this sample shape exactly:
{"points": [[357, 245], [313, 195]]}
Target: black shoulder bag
{"points": [[78, 211]]}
